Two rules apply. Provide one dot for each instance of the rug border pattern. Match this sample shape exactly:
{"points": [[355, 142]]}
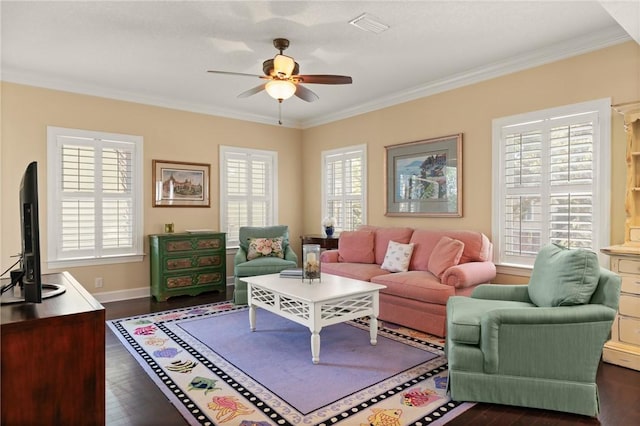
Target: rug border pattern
{"points": [[187, 406]]}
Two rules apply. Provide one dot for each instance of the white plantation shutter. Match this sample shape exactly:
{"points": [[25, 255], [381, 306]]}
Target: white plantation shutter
{"points": [[95, 196], [248, 190], [344, 189], [551, 181]]}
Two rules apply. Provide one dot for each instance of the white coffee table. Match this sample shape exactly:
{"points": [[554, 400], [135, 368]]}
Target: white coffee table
{"points": [[333, 300]]}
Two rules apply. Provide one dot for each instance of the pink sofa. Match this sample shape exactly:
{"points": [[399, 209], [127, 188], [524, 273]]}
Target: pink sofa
{"points": [[418, 297]]}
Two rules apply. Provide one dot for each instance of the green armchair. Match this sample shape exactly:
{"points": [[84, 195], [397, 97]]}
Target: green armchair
{"points": [[536, 345], [251, 260]]}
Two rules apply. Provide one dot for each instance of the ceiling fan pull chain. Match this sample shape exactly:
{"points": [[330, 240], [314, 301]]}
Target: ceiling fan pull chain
{"points": [[280, 112]]}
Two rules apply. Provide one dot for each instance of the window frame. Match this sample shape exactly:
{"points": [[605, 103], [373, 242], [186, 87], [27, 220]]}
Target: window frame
{"points": [[324, 157], [100, 255], [600, 186], [272, 215]]}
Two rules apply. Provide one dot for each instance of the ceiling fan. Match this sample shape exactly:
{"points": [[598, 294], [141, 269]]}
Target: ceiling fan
{"points": [[283, 78]]}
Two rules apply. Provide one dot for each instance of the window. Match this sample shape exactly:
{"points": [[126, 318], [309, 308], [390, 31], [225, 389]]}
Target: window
{"points": [[551, 180], [248, 190], [344, 186], [95, 213]]}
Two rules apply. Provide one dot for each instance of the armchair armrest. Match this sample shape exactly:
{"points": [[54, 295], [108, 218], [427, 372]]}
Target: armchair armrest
{"points": [[562, 342], [291, 255], [514, 292], [329, 256], [469, 274], [240, 256]]}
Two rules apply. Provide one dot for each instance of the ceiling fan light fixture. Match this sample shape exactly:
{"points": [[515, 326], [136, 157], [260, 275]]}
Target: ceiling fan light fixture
{"points": [[280, 89], [283, 65]]}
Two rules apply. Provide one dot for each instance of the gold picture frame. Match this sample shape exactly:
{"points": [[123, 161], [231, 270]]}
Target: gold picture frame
{"points": [[424, 178], [180, 184]]}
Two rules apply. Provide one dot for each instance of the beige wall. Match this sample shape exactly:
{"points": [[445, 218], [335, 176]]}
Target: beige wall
{"points": [[612, 72], [168, 135]]}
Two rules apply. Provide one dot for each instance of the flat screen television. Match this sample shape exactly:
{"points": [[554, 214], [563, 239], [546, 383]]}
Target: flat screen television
{"points": [[26, 280], [30, 226]]}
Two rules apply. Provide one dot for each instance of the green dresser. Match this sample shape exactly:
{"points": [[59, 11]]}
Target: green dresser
{"points": [[187, 263]]}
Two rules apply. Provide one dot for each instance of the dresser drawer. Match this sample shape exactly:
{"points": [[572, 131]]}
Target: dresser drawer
{"points": [[630, 284], [190, 244], [629, 329], [626, 266], [194, 261], [629, 305], [194, 279], [621, 354]]}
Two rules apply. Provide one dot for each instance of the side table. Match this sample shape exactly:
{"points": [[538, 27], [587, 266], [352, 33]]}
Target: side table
{"points": [[326, 243]]}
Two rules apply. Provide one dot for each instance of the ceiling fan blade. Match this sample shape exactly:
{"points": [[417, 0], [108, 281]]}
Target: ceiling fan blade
{"points": [[305, 94], [324, 79], [253, 91], [235, 73]]}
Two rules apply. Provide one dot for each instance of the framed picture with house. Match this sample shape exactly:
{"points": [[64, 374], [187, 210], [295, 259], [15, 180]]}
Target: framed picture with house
{"points": [[180, 184]]}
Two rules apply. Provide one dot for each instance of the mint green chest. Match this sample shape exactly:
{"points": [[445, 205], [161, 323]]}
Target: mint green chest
{"points": [[187, 263]]}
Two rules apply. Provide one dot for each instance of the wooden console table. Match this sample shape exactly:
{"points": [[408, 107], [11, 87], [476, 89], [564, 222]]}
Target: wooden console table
{"points": [[53, 358], [326, 243]]}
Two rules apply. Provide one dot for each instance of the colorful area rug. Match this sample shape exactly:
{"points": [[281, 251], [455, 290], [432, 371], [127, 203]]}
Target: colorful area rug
{"points": [[216, 372]]}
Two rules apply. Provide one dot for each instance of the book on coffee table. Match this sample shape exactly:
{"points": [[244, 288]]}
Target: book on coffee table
{"points": [[291, 273]]}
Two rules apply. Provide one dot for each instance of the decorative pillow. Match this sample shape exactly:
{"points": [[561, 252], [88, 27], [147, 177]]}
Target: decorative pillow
{"points": [[356, 247], [265, 247], [398, 257], [563, 276], [445, 254]]}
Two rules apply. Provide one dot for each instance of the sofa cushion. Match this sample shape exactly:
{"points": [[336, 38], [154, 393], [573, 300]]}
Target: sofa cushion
{"points": [[477, 247], [563, 276], [262, 266], [384, 235], [417, 285], [265, 247], [445, 254], [356, 247], [397, 257], [357, 271]]}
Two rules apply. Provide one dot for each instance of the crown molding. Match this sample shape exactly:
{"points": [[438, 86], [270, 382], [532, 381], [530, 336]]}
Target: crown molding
{"points": [[554, 53], [35, 79], [626, 14]]}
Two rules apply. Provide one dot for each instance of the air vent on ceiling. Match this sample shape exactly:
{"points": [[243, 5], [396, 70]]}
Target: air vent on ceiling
{"points": [[367, 22]]}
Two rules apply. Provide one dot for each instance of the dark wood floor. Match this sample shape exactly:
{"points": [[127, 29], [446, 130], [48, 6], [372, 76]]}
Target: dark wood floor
{"points": [[133, 399]]}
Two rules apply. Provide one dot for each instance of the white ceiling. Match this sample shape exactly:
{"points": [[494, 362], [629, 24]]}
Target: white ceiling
{"points": [[158, 52]]}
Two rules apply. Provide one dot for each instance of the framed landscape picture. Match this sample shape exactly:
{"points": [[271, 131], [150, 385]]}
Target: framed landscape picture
{"points": [[179, 184], [424, 178]]}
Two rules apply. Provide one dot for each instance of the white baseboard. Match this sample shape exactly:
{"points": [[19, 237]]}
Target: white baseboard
{"points": [[114, 296], [133, 293]]}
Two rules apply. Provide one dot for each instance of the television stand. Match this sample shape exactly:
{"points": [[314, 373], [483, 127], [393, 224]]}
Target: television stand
{"points": [[48, 290], [53, 358]]}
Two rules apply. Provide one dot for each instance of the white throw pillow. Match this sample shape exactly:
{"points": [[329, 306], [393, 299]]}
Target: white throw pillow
{"points": [[397, 257]]}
